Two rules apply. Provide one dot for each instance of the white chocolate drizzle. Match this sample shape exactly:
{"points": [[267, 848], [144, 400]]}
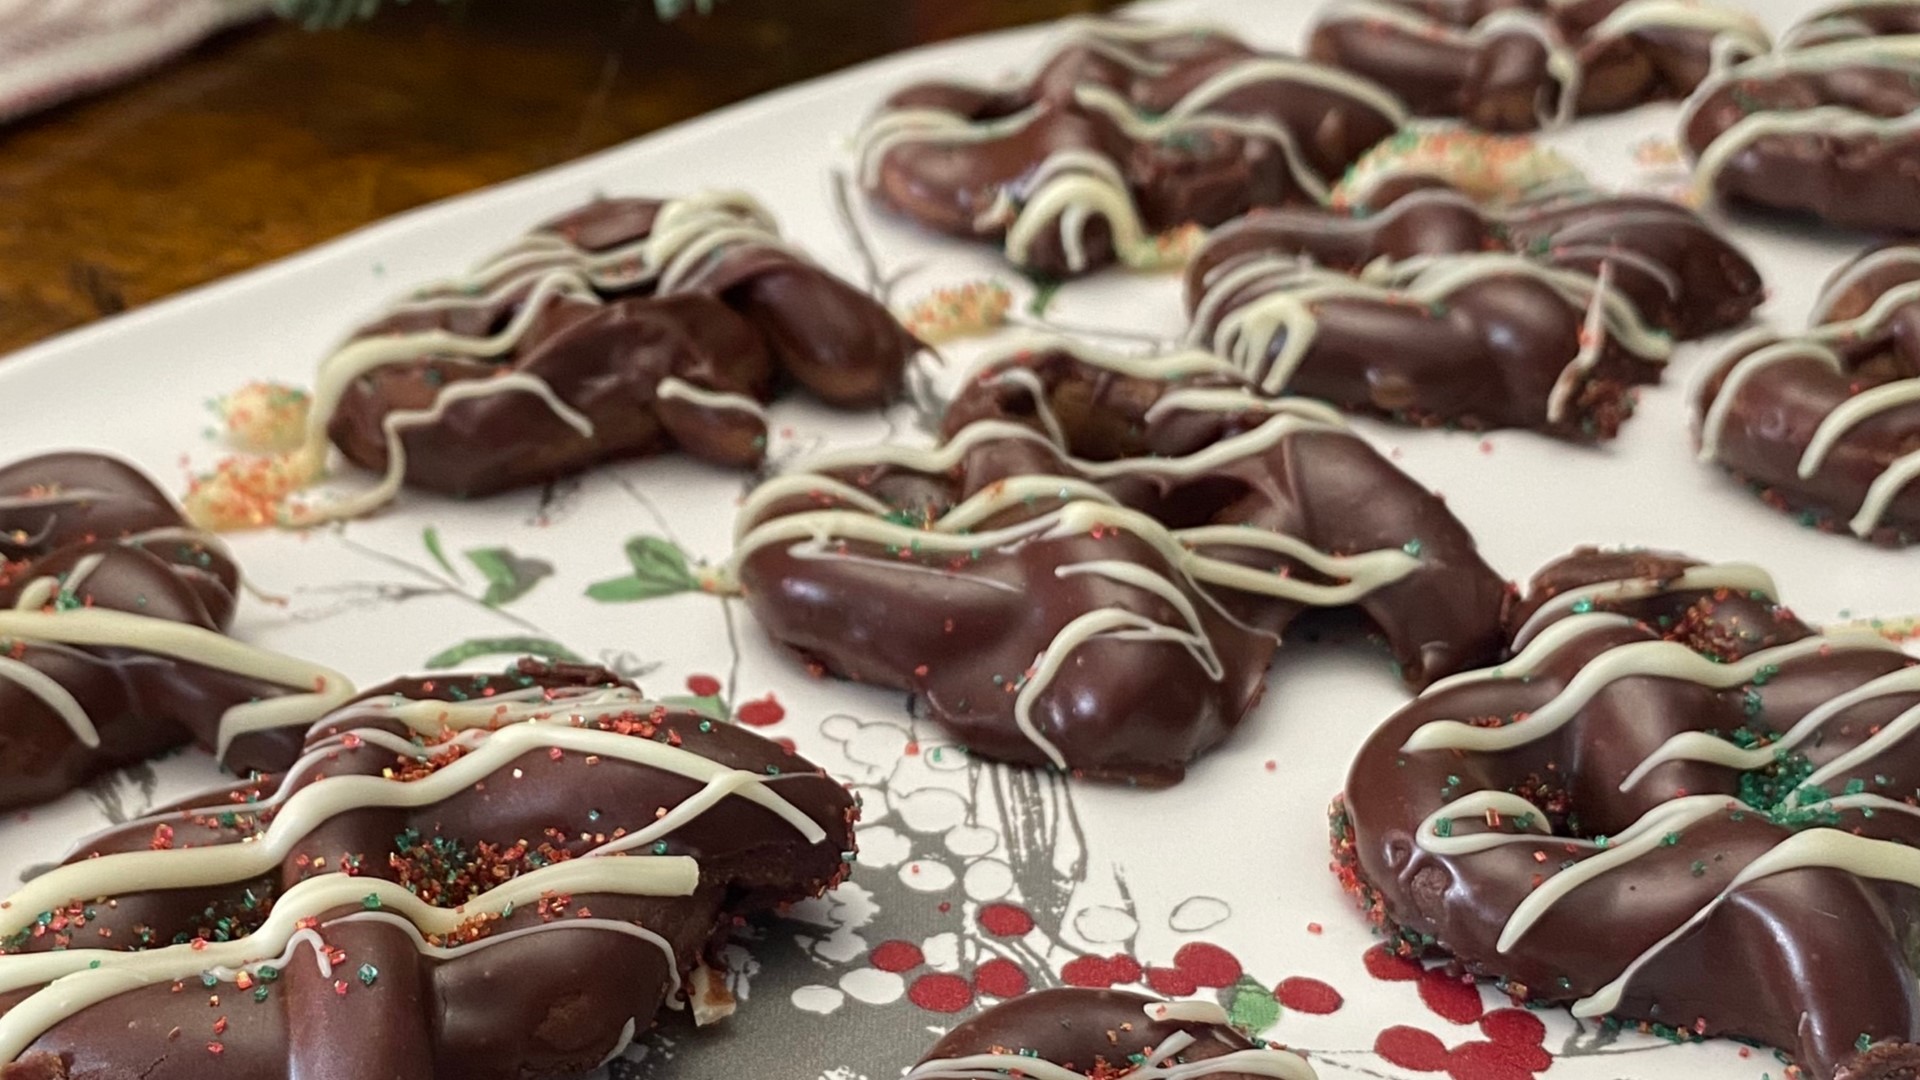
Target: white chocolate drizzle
{"points": [[315, 802], [1735, 36], [546, 268], [1639, 659], [1743, 578], [1071, 187], [1666, 822], [1833, 122], [79, 978], [1821, 345], [315, 689], [1268, 335], [1075, 506]]}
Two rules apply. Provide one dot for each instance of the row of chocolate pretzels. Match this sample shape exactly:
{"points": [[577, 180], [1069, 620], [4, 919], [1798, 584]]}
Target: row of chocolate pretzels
{"points": [[632, 325], [1586, 641]]}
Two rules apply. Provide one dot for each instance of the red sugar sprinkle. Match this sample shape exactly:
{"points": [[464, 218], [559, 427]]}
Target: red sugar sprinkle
{"points": [[1387, 967], [1006, 920], [702, 685], [897, 956], [1099, 972], [1455, 999], [1493, 1061], [1001, 978], [1302, 994], [1207, 965], [762, 712], [1514, 1027], [1412, 1048], [941, 993], [1315, 929], [1171, 982]]}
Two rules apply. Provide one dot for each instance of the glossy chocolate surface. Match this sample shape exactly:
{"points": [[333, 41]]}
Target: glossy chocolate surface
{"points": [[1823, 128], [1515, 65], [1683, 276], [1479, 340], [87, 535], [1054, 587], [1826, 424], [1734, 884], [628, 327], [1106, 1033], [546, 988], [1128, 131]]}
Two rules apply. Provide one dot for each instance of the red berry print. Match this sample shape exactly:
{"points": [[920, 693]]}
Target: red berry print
{"points": [[1125, 969], [1412, 1048], [1171, 982], [1207, 965], [1086, 971], [1492, 1061], [1006, 920], [941, 993], [1387, 966], [1302, 994], [1001, 978], [897, 956], [762, 712], [1515, 1027], [703, 685], [1451, 997]]}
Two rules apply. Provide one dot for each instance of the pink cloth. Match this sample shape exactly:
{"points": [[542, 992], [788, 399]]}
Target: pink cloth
{"points": [[55, 50]]}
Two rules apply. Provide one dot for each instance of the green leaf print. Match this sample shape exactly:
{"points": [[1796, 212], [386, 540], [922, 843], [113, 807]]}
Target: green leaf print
{"points": [[545, 648], [509, 577], [430, 537], [659, 569], [1251, 1006]]}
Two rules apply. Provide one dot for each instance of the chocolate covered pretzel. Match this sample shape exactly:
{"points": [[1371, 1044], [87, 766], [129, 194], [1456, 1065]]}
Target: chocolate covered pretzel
{"points": [[1481, 340], [1826, 424], [1129, 131], [1093, 571], [1675, 804], [1080, 1034], [1682, 276], [627, 327], [1514, 65], [113, 636], [475, 876], [1827, 127]]}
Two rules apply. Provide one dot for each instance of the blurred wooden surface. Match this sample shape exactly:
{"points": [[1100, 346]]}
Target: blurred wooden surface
{"points": [[272, 138]]}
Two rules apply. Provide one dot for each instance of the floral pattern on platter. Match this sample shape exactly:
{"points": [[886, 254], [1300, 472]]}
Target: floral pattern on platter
{"points": [[976, 881]]}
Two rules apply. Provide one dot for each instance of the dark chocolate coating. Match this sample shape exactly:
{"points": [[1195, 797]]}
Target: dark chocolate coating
{"points": [[844, 346], [1682, 274], [1092, 1032], [1205, 174], [605, 361], [1811, 959], [750, 314], [64, 509], [1499, 76], [1777, 408], [1487, 352], [549, 1005], [1858, 19], [961, 631], [1835, 165]]}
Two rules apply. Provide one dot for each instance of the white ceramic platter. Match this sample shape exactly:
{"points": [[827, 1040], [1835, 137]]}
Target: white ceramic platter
{"points": [[1230, 867]]}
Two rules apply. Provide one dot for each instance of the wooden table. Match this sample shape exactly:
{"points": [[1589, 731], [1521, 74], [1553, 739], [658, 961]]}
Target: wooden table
{"points": [[272, 138]]}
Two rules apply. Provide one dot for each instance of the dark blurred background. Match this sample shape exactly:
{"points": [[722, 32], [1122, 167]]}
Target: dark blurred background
{"points": [[270, 137]]}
